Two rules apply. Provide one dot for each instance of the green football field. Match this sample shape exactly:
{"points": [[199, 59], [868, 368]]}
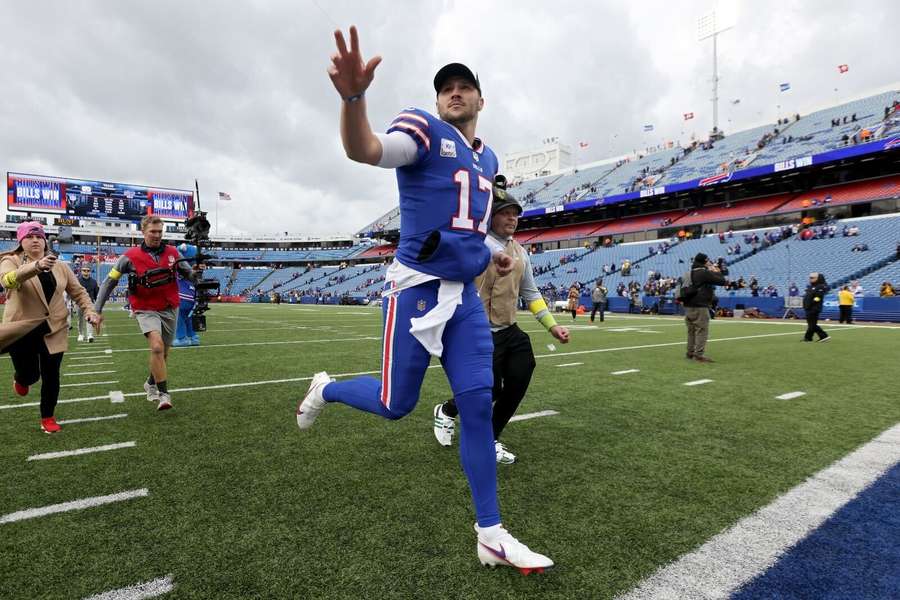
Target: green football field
{"points": [[231, 500]]}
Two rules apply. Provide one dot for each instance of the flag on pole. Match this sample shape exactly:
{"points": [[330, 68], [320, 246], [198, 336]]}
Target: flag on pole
{"points": [[224, 197], [583, 144], [784, 87], [648, 127], [736, 101], [843, 68], [688, 116]]}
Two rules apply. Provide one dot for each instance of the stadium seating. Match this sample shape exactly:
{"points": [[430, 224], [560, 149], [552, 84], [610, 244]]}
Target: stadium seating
{"points": [[811, 134]]}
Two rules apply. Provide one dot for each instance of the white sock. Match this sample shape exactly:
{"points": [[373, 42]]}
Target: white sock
{"points": [[489, 533]]}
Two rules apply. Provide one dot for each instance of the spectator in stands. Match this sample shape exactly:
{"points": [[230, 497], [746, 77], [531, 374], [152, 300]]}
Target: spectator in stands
{"points": [[634, 300], [860, 248], [598, 299], [698, 294], [845, 305], [793, 291], [626, 267], [887, 290], [34, 329], [620, 289], [574, 294], [857, 289], [754, 286]]}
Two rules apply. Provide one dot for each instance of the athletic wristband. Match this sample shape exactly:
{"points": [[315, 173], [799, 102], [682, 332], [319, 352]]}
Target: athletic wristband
{"points": [[548, 321], [355, 98]]}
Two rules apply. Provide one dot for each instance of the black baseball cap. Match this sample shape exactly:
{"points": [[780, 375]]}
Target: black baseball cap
{"points": [[455, 70], [503, 199]]}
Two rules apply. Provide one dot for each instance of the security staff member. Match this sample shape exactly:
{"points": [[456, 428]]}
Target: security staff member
{"points": [[513, 357], [153, 297]]}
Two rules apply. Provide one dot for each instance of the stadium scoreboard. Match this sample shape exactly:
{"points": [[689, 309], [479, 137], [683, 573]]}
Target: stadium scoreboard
{"points": [[95, 199]]}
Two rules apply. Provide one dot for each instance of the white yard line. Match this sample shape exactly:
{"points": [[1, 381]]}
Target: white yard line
{"points": [[625, 372], [207, 346], [91, 419], [534, 415], [52, 509], [140, 591], [570, 364], [88, 357], [307, 378], [80, 451], [699, 382], [790, 395], [87, 373], [750, 547], [88, 383], [663, 345]]}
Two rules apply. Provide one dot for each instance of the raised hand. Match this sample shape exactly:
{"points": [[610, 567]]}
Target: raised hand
{"points": [[349, 74]]}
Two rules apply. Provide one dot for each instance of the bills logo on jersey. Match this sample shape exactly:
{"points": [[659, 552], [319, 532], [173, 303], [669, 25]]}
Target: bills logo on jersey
{"points": [[475, 156], [420, 305], [448, 148]]}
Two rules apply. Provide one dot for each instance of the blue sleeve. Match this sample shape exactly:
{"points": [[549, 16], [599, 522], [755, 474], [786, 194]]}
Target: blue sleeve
{"points": [[416, 124]]}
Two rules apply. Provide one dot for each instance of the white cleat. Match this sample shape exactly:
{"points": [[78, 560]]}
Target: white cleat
{"points": [[313, 403], [444, 427], [152, 392], [505, 550], [80, 338], [165, 402], [504, 456]]}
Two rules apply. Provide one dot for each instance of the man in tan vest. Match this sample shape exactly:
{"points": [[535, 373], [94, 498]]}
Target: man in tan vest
{"points": [[513, 356]]}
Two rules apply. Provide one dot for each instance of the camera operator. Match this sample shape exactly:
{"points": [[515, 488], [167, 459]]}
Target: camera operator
{"points": [[153, 296], [697, 295]]}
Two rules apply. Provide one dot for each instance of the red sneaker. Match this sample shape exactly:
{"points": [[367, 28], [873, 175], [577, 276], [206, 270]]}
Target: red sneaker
{"points": [[49, 425], [20, 389]]}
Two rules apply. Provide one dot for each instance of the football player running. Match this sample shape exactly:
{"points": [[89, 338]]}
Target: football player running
{"points": [[431, 307]]}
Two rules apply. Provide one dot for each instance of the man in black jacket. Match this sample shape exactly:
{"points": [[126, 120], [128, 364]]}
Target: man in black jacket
{"points": [[85, 330], [698, 294], [812, 306]]}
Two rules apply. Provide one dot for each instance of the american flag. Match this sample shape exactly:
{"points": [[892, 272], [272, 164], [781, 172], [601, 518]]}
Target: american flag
{"points": [[583, 144], [784, 87], [224, 197], [688, 116], [843, 68], [648, 127]]}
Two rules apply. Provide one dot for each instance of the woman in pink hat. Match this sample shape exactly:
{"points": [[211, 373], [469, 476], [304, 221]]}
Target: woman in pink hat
{"points": [[34, 329]]}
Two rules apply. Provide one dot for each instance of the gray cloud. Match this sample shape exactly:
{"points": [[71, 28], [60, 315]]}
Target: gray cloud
{"points": [[235, 94]]}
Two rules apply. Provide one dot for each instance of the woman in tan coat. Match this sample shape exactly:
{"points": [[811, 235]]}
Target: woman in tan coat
{"points": [[34, 329], [574, 295]]}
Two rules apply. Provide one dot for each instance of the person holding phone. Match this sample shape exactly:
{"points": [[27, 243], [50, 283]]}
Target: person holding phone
{"points": [[34, 329]]}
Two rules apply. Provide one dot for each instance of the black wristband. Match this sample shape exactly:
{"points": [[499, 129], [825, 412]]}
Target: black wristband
{"points": [[355, 98]]}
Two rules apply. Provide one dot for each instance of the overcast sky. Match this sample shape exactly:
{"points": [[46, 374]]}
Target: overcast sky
{"points": [[235, 94]]}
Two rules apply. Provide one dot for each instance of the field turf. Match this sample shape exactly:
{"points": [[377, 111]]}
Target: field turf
{"points": [[635, 470]]}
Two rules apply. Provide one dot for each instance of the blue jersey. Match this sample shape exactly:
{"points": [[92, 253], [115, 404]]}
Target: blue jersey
{"points": [[445, 199]]}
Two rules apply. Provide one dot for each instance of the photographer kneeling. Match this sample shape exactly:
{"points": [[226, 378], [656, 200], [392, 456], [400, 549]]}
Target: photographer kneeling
{"points": [[698, 294], [153, 296]]}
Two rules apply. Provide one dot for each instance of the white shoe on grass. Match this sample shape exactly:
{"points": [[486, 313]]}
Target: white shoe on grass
{"points": [[504, 456], [165, 401], [152, 392], [313, 403], [80, 338], [503, 549], [444, 426]]}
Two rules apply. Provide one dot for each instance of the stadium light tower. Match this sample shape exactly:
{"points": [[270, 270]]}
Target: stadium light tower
{"points": [[710, 25]]}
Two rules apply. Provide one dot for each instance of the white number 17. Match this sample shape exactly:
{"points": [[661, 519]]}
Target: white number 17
{"points": [[463, 218]]}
